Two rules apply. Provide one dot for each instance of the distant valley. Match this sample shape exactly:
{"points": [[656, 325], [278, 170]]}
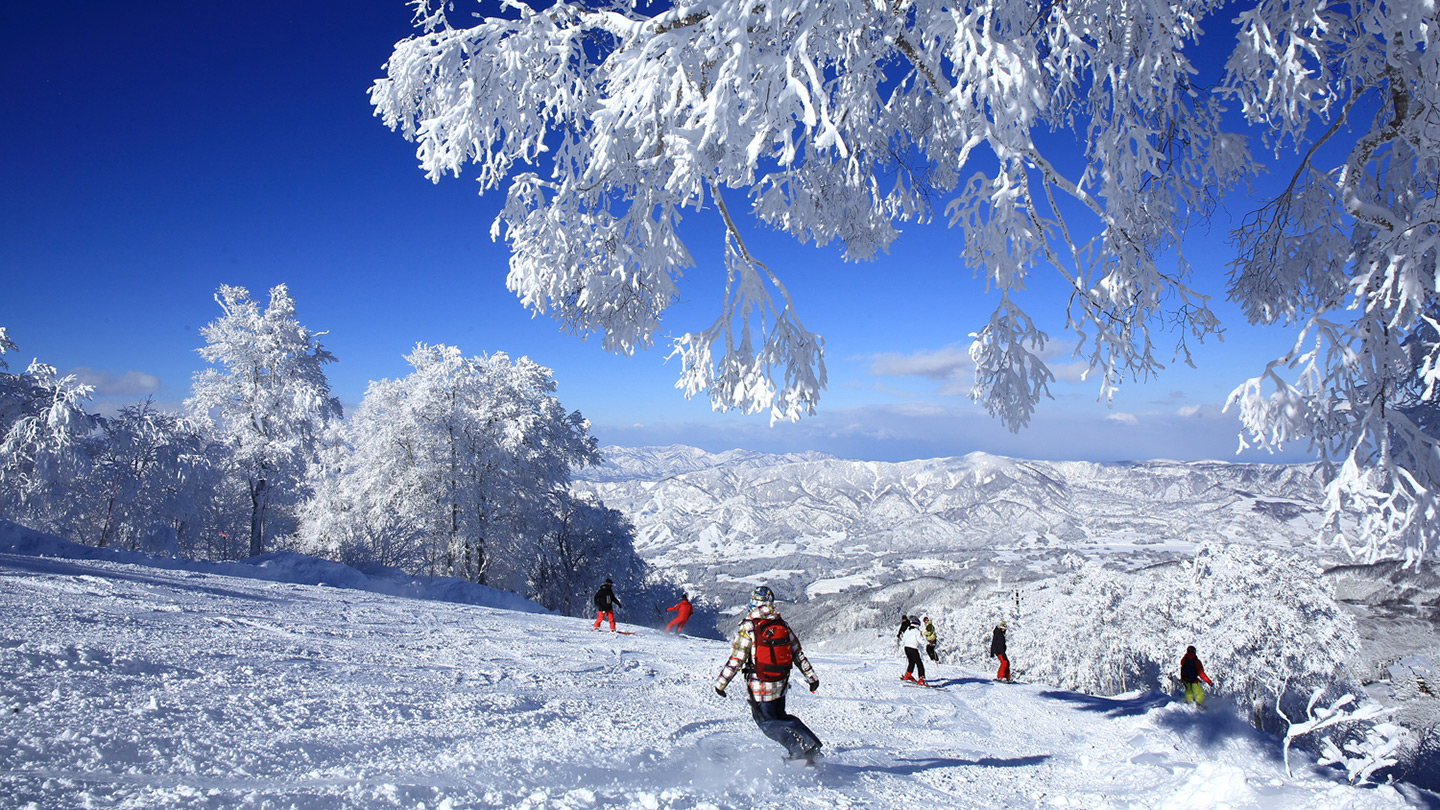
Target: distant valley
{"points": [[813, 525]]}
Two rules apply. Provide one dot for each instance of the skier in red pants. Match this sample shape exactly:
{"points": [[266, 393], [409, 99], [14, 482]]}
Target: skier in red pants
{"points": [[997, 650], [682, 612], [605, 604]]}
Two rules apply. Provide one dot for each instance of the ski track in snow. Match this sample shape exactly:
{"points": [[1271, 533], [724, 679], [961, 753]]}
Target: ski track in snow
{"points": [[126, 686]]}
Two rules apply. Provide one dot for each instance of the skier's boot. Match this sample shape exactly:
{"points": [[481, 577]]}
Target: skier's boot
{"points": [[921, 681], [906, 677]]}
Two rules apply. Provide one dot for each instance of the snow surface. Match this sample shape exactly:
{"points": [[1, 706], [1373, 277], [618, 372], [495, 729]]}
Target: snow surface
{"points": [[129, 684]]}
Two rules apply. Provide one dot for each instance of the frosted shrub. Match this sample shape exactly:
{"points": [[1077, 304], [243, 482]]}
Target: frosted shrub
{"points": [[1089, 634], [1375, 747], [1262, 621], [1378, 749]]}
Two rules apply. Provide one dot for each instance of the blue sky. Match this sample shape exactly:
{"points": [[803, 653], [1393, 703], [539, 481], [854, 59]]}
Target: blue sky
{"points": [[158, 150]]}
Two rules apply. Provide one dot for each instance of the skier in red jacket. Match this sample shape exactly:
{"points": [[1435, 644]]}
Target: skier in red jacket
{"points": [[682, 612], [1192, 672]]}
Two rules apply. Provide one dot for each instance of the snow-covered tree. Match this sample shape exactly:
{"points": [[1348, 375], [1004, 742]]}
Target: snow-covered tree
{"points": [[269, 400], [6, 345], [43, 451], [1090, 633], [19, 393], [153, 480], [603, 122], [587, 543], [458, 468]]}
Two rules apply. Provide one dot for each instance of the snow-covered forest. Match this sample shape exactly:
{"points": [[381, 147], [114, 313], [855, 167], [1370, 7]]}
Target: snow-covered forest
{"points": [[461, 469]]}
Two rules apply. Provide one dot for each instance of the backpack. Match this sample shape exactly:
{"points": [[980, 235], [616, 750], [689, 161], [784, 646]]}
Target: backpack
{"points": [[772, 656]]}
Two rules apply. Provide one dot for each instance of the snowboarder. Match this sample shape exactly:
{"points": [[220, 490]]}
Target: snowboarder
{"points": [[605, 604], [1192, 672], [765, 649], [682, 612], [997, 650], [931, 637], [911, 641]]}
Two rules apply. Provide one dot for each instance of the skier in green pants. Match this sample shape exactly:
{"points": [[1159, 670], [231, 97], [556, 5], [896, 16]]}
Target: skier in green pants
{"points": [[1192, 672]]}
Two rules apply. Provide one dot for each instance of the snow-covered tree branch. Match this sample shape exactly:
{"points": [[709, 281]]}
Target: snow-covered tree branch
{"points": [[1343, 710], [6, 344], [604, 123]]}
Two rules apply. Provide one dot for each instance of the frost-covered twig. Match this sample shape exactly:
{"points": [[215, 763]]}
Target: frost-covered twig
{"points": [[1325, 717]]}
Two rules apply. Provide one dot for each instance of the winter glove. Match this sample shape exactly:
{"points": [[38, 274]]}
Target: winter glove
{"points": [[815, 684], [720, 691]]}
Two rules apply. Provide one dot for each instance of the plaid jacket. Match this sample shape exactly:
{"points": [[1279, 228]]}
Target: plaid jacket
{"points": [[740, 652]]}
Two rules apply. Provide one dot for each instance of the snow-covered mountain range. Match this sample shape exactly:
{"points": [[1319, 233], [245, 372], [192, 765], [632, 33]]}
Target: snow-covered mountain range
{"points": [[815, 525]]}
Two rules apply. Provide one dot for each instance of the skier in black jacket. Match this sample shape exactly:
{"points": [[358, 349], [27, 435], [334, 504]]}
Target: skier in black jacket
{"points": [[605, 604], [904, 625], [997, 650]]}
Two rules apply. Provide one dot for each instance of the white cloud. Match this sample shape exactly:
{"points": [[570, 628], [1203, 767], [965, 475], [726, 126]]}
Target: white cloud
{"points": [[954, 365], [133, 384], [1069, 372], [917, 430], [941, 364]]}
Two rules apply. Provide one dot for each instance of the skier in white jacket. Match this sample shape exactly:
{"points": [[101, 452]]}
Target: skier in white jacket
{"points": [[913, 640]]}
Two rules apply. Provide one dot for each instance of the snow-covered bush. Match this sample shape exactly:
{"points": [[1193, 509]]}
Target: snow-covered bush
{"points": [[1372, 749], [1362, 758], [1264, 622]]}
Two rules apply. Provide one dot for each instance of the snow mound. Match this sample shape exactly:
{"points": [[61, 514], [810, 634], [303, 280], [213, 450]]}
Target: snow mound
{"points": [[281, 566]]}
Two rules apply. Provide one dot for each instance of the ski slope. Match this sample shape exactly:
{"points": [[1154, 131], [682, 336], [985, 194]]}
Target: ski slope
{"points": [[133, 686]]}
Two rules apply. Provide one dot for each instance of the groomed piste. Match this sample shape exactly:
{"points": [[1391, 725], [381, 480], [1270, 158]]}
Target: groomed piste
{"points": [[128, 682]]}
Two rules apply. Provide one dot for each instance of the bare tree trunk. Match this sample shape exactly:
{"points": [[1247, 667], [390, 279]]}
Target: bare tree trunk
{"points": [[109, 511], [257, 517]]}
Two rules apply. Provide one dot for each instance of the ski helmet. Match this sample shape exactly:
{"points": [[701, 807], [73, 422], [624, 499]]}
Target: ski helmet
{"points": [[761, 596]]}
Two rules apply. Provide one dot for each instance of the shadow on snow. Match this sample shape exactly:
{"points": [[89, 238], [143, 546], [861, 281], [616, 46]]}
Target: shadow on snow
{"points": [[909, 767], [1111, 707]]}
